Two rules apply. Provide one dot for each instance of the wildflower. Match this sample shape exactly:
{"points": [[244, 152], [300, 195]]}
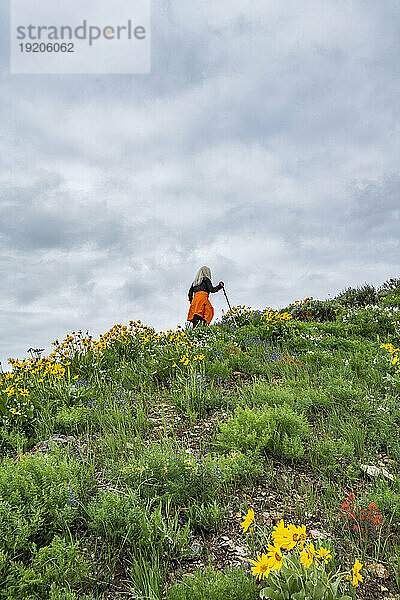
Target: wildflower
{"points": [[289, 537], [275, 558], [323, 554], [307, 555], [249, 518], [356, 573], [280, 531], [261, 567], [302, 533], [71, 498]]}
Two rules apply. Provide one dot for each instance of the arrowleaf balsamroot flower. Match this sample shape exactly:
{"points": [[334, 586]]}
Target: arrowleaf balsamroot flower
{"points": [[249, 518], [323, 554], [293, 537], [289, 537], [307, 555], [301, 532], [261, 567], [275, 558], [356, 573]]}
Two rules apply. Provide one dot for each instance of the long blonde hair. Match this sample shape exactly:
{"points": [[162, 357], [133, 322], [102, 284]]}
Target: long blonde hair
{"points": [[201, 273]]}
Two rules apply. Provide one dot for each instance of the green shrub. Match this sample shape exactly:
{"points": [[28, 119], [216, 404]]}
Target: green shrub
{"points": [[117, 518], [277, 429], [72, 420], [329, 454], [206, 517], [369, 321], [238, 468], [390, 286], [389, 293], [359, 296], [12, 439], [60, 563], [343, 393], [178, 476], [233, 585], [126, 520], [391, 300], [15, 528], [38, 495], [315, 310], [314, 401], [261, 393]]}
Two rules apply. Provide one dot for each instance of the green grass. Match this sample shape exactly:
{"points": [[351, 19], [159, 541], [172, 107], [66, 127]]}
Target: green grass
{"points": [[184, 432]]}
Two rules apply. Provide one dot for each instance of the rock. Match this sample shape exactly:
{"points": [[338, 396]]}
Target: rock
{"points": [[239, 375], [373, 471], [195, 550], [319, 535], [378, 570], [227, 543], [67, 443], [240, 550]]}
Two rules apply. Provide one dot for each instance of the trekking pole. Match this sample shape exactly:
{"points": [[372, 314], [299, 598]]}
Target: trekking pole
{"points": [[230, 307]]}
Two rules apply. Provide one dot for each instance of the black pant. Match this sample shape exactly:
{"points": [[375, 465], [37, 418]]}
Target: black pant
{"points": [[197, 320]]}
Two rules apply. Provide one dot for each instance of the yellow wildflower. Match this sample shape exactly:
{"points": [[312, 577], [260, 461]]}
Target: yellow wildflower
{"points": [[302, 533], [356, 573], [289, 537], [323, 554], [307, 555], [275, 558], [249, 518], [261, 568]]}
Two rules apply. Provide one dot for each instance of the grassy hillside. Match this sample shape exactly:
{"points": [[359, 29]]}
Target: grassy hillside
{"points": [[166, 445]]}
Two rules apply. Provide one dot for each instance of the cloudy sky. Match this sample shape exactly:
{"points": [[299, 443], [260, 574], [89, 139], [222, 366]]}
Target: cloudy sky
{"points": [[264, 143]]}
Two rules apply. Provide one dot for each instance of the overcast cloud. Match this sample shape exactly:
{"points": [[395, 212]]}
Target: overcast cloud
{"points": [[265, 144]]}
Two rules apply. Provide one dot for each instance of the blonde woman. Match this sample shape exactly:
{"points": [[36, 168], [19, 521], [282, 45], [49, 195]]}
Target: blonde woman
{"points": [[200, 310]]}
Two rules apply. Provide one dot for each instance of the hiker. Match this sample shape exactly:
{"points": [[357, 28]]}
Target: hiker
{"points": [[200, 310]]}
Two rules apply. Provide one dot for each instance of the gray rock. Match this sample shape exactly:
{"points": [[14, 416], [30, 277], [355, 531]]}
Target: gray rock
{"points": [[373, 471], [67, 443], [195, 550]]}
